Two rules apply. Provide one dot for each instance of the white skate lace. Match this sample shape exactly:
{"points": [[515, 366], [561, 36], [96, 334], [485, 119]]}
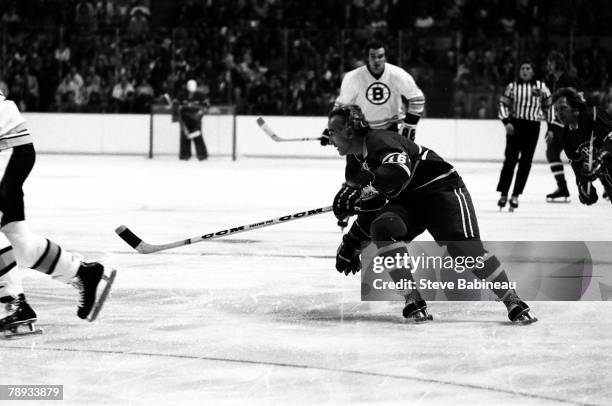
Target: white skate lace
{"points": [[78, 284]]}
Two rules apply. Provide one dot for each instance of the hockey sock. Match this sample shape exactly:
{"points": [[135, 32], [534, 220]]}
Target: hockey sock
{"points": [[493, 272], [401, 270], [36, 252], [557, 170]]}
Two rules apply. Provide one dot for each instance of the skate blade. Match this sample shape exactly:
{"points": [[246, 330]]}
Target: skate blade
{"points": [[15, 331], [524, 319], [419, 317], [108, 279], [419, 320], [549, 200]]}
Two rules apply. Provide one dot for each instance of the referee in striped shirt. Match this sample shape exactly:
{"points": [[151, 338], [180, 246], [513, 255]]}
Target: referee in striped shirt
{"points": [[521, 108]]}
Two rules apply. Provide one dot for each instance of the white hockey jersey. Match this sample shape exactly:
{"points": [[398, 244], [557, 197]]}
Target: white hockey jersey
{"points": [[381, 100], [12, 125]]}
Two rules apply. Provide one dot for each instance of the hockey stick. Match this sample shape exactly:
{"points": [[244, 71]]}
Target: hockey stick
{"points": [[146, 248], [265, 128], [590, 160]]}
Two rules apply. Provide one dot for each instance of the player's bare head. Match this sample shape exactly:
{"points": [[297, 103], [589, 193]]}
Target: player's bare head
{"points": [[377, 56], [527, 70], [568, 104], [556, 62], [347, 126]]}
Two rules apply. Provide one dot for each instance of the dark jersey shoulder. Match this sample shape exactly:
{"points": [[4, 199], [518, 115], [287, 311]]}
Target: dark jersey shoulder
{"points": [[426, 165], [379, 143], [593, 122]]}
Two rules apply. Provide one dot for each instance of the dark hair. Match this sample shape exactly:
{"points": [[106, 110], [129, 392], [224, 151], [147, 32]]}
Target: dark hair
{"points": [[573, 97], [558, 59], [527, 62], [375, 44]]}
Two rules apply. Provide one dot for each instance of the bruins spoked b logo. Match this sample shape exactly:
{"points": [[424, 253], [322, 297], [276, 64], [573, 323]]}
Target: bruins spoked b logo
{"points": [[378, 93]]}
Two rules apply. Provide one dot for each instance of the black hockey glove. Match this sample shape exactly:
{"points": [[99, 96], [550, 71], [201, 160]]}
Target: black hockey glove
{"points": [[408, 131], [348, 256], [324, 139], [586, 197], [345, 202]]}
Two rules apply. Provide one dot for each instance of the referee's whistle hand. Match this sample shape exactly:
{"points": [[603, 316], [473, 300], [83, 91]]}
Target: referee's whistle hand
{"points": [[509, 129]]}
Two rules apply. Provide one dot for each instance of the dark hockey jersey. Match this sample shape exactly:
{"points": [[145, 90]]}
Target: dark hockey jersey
{"points": [[593, 123], [401, 167], [189, 109]]}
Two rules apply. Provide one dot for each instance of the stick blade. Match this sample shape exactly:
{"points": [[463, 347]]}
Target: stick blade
{"points": [[264, 127], [128, 236]]}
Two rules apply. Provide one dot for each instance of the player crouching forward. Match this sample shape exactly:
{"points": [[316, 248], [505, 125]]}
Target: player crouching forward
{"points": [[417, 191]]}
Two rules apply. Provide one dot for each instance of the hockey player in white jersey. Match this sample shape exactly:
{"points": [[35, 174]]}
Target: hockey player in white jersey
{"points": [[388, 95], [28, 250]]}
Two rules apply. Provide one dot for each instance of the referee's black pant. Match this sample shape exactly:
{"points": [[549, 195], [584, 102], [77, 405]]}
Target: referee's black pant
{"points": [[520, 147]]}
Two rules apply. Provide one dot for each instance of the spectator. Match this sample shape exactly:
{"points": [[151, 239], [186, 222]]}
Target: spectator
{"points": [[122, 95]]}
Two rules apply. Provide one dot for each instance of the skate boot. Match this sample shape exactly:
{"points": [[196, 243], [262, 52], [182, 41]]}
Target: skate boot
{"points": [[560, 193], [518, 311], [513, 203], [87, 279], [416, 308], [20, 320], [502, 202]]}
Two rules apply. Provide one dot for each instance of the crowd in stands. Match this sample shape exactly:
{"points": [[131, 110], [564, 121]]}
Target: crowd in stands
{"points": [[287, 56]]}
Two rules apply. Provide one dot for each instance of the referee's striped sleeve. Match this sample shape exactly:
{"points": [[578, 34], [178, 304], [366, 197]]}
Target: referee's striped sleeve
{"points": [[547, 107], [505, 102]]}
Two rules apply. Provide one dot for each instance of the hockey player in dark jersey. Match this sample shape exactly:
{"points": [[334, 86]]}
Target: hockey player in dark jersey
{"points": [[587, 142], [407, 190], [188, 109]]}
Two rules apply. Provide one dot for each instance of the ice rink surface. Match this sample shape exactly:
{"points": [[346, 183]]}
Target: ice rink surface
{"points": [[263, 317]]}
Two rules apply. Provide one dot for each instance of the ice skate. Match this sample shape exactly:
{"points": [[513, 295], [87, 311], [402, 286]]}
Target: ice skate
{"points": [[20, 320], [86, 281], [502, 202], [416, 308], [513, 203], [560, 193], [518, 311]]}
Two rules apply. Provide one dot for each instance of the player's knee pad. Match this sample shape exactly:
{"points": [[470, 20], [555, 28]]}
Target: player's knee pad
{"points": [[388, 227]]}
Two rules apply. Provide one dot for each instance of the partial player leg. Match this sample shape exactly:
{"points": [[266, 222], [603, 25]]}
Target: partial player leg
{"points": [[20, 319], [553, 156], [387, 231], [200, 146], [454, 223], [35, 252], [518, 310]]}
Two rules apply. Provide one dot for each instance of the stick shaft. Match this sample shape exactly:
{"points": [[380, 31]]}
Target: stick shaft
{"points": [[590, 161], [146, 248]]}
